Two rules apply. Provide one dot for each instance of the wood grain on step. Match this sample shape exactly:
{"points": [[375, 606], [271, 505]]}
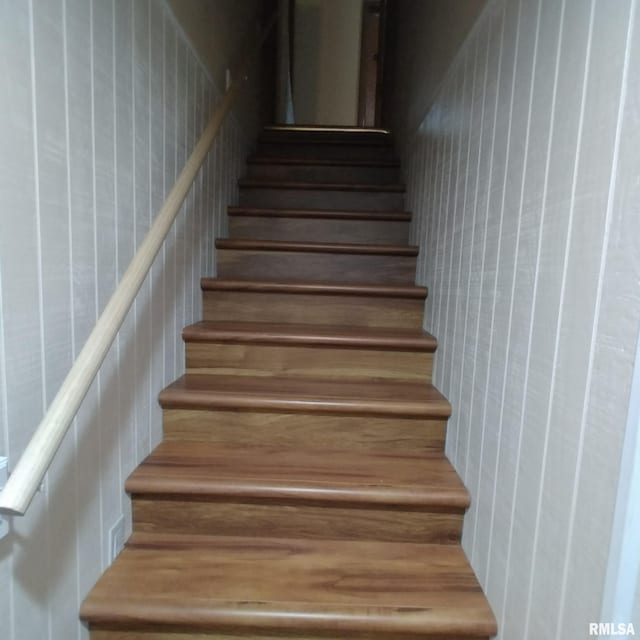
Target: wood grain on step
{"points": [[325, 173], [313, 308], [149, 634], [293, 429], [313, 302], [302, 395], [368, 290], [324, 198], [256, 359], [196, 487], [254, 183], [158, 634], [334, 248], [328, 151], [301, 228], [309, 497], [301, 585], [302, 474], [294, 143], [319, 139], [294, 160], [335, 352], [294, 140], [317, 335], [320, 136], [353, 267], [320, 214], [241, 517]]}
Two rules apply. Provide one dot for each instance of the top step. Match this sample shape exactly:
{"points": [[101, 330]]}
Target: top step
{"points": [[326, 143], [325, 135]]}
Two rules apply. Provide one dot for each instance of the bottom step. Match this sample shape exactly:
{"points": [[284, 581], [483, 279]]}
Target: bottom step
{"points": [[204, 586], [210, 489]]}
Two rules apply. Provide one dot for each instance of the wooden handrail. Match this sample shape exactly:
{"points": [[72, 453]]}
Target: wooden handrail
{"points": [[28, 474]]}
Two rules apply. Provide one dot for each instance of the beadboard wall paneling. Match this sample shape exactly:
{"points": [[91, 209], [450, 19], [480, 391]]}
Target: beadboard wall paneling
{"points": [[101, 102], [523, 182]]}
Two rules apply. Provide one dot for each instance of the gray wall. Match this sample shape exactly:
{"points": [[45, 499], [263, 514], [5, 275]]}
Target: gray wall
{"points": [[221, 31], [101, 102], [327, 61], [523, 180], [426, 36]]}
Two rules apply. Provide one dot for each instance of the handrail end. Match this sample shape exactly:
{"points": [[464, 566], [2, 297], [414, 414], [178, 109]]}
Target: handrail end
{"points": [[10, 511], [12, 504]]}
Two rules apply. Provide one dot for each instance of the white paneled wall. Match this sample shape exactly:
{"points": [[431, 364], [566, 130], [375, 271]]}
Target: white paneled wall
{"points": [[523, 179], [101, 101]]}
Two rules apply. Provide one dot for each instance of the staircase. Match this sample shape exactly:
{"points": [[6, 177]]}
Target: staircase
{"points": [[301, 490]]}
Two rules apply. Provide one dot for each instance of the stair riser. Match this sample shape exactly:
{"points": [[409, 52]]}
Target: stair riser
{"points": [[313, 309], [325, 151], [302, 266], [321, 230], [321, 199], [307, 361], [282, 429], [324, 173], [182, 634], [295, 520]]}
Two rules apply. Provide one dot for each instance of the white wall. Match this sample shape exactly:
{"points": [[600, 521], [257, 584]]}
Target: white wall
{"points": [[523, 178], [101, 101], [326, 73]]}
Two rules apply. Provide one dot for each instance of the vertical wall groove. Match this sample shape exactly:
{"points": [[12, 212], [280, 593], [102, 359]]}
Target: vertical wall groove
{"points": [[534, 296], [597, 310]]}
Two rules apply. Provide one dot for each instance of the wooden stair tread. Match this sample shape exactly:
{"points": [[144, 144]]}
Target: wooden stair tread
{"points": [[208, 582], [309, 287], [332, 476], [314, 134], [316, 247], [204, 391], [257, 183], [326, 128], [393, 216], [310, 335], [335, 162]]}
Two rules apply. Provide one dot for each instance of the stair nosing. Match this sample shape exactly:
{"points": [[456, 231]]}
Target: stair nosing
{"points": [[252, 183], [308, 335], [326, 128], [292, 246], [377, 163], [165, 474], [382, 216], [444, 501], [237, 397], [413, 292]]}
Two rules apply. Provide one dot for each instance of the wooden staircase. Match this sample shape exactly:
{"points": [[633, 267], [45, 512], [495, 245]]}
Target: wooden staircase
{"points": [[301, 490]]}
